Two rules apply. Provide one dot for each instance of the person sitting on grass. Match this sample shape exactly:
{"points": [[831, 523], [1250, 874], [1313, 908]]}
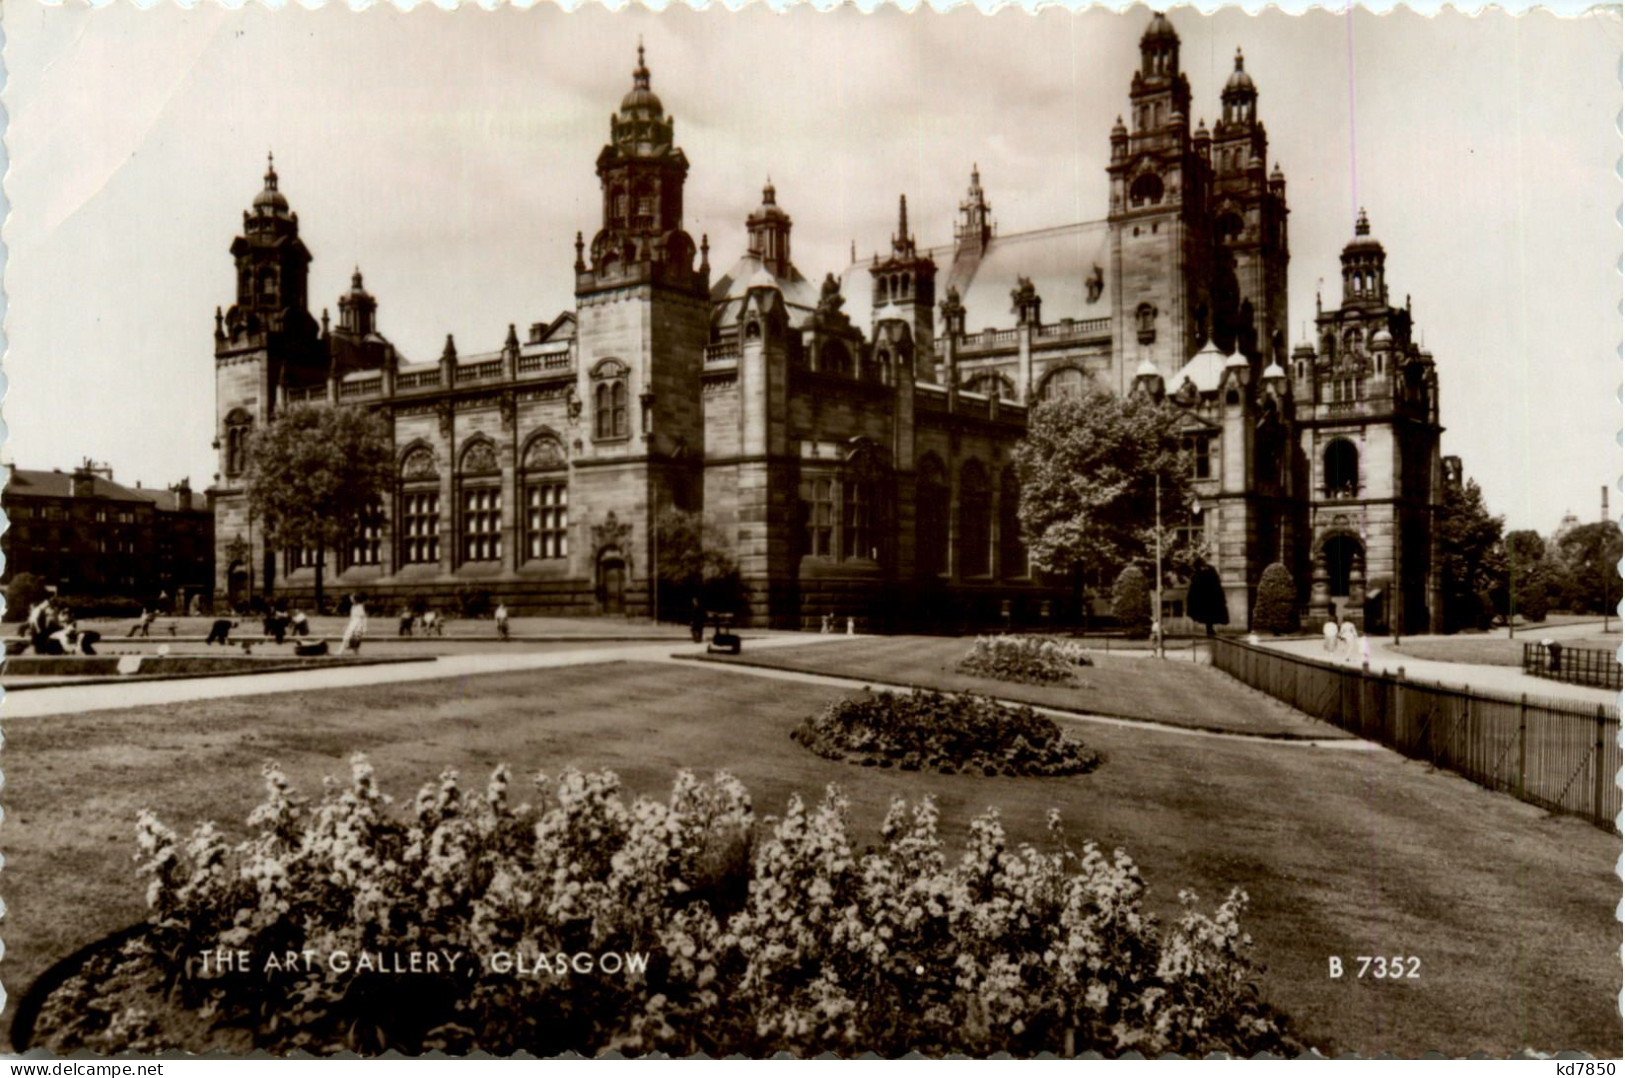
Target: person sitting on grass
{"points": [[300, 623], [143, 624], [432, 624], [220, 632]]}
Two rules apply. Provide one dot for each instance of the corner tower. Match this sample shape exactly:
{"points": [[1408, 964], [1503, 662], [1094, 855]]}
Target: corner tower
{"points": [[265, 340], [642, 314]]}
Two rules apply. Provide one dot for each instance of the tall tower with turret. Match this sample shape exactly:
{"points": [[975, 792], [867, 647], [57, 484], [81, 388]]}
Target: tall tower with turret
{"points": [[1159, 234], [642, 310], [264, 341], [905, 288], [1248, 212]]}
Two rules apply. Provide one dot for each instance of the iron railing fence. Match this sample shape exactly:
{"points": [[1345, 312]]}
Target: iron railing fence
{"points": [[1578, 666], [1562, 755]]}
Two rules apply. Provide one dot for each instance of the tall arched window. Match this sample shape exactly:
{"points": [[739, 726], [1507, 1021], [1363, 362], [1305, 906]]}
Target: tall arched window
{"points": [[610, 400], [1147, 190], [1342, 467], [931, 517], [239, 425], [975, 520], [547, 500], [1012, 551], [419, 514], [1066, 382], [480, 482]]}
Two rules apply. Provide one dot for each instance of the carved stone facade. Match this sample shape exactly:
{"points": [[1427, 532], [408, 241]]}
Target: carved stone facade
{"points": [[852, 440]]}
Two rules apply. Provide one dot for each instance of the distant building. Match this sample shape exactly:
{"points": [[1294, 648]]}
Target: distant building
{"points": [[83, 534], [853, 439]]}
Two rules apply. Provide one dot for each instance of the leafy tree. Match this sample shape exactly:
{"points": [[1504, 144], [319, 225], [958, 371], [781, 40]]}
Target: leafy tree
{"points": [[1275, 610], [1204, 601], [1592, 554], [1131, 603], [694, 562], [24, 590], [315, 473], [1527, 566], [1471, 561], [1088, 467]]}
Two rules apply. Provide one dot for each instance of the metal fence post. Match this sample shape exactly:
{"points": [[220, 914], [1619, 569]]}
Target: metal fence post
{"points": [[1598, 811], [1523, 741]]}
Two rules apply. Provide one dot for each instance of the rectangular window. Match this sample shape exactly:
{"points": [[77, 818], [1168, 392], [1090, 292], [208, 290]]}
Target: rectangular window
{"points": [[366, 540], [819, 497], [1200, 448], [299, 557], [547, 520], [482, 524], [420, 527], [857, 507]]}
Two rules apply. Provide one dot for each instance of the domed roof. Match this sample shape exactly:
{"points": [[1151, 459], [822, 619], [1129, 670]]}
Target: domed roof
{"points": [[1239, 79], [1382, 336], [1362, 235], [1236, 359], [1147, 369], [1159, 29], [640, 98], [1274, 370], [770, 205], [270, 198]]}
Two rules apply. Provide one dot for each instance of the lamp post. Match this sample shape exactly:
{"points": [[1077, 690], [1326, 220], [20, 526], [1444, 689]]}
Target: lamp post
{"points": [[1156, 620]]}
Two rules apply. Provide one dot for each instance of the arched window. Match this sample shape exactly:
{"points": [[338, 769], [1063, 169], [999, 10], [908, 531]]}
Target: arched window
{"points": [[818, 504], [610, 401], [480, 478], [883, 366], [834, 358], [268, 282], [643, 199], [1145, 321], [1341, 552], [239, 425], [1342, 468], [547, 500], [975, 520], [366, 538], [931, 517], [1012, 551], [1066, 382], [1147, 190], [620, 205], [419, 513]]}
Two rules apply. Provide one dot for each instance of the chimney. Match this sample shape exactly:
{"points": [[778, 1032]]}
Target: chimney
{"points": [[1605, 503], [183, 495], [83, 483]]}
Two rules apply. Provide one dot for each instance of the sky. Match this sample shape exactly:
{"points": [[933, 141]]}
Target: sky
{"points": [[449, 155]]}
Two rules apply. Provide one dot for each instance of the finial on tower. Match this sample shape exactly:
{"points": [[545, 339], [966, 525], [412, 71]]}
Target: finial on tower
{"points": [[355, 280], [270, 171], [1362, 224], [1239, 66], [640, 75], [902, 218]]}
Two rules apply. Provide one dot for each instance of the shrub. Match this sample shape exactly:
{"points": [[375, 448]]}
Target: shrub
{"points": [[1131, 604], [1034, 660], [942, 732], [22, 592], [799, 943], [1204, 600], [1276, 608]]}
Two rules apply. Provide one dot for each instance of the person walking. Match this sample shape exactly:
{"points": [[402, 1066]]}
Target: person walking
{"points": [[1330, 633], [356, 630], [406, 621], [1351, 640], [696, 620], [501, 616], [432, 624], [143, 624]]}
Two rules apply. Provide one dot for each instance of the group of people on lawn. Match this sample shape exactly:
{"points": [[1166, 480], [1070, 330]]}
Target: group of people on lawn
{"points": [[51, 629]]}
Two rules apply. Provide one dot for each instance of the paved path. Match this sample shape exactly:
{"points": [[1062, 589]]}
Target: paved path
{"points": [[1509, 680], [111, 695]]}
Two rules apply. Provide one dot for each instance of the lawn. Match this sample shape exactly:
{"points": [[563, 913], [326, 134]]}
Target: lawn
{"points": [[1496, 650], [1344, 853], [1135, 686]]}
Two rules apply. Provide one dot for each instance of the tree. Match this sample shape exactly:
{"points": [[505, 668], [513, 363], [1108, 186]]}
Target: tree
{"points": [[1527, 564], [1204, 601], [315, 474], [1592, 553], [1131, 604], [695, 562], [1471, 560], [1088, 469], [22, 593], [1275, 611]]}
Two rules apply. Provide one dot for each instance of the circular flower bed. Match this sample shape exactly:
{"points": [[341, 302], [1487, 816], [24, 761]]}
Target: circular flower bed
{"points": [[947, 732], [1032, 660], [729, 933]]}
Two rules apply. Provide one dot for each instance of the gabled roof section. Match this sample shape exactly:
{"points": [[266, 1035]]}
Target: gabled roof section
{"points": [[27, 483], [729, 291]]}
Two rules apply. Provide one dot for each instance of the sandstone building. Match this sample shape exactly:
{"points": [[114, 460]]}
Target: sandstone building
{"points": [[852, 438]]}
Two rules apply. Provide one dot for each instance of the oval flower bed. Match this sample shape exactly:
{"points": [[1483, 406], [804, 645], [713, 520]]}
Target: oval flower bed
{"points": [[1031, 660], [946, 732], [729, 934]]}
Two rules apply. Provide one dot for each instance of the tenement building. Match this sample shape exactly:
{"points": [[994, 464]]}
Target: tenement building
{"points": [[852, 438]]}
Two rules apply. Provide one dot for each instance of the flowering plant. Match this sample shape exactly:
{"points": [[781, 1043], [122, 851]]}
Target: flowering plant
{"points": [[1035, 660], [794, 940]]}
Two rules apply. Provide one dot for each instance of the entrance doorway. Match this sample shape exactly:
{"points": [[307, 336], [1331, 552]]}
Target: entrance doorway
{"points": [[612, 583]]}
